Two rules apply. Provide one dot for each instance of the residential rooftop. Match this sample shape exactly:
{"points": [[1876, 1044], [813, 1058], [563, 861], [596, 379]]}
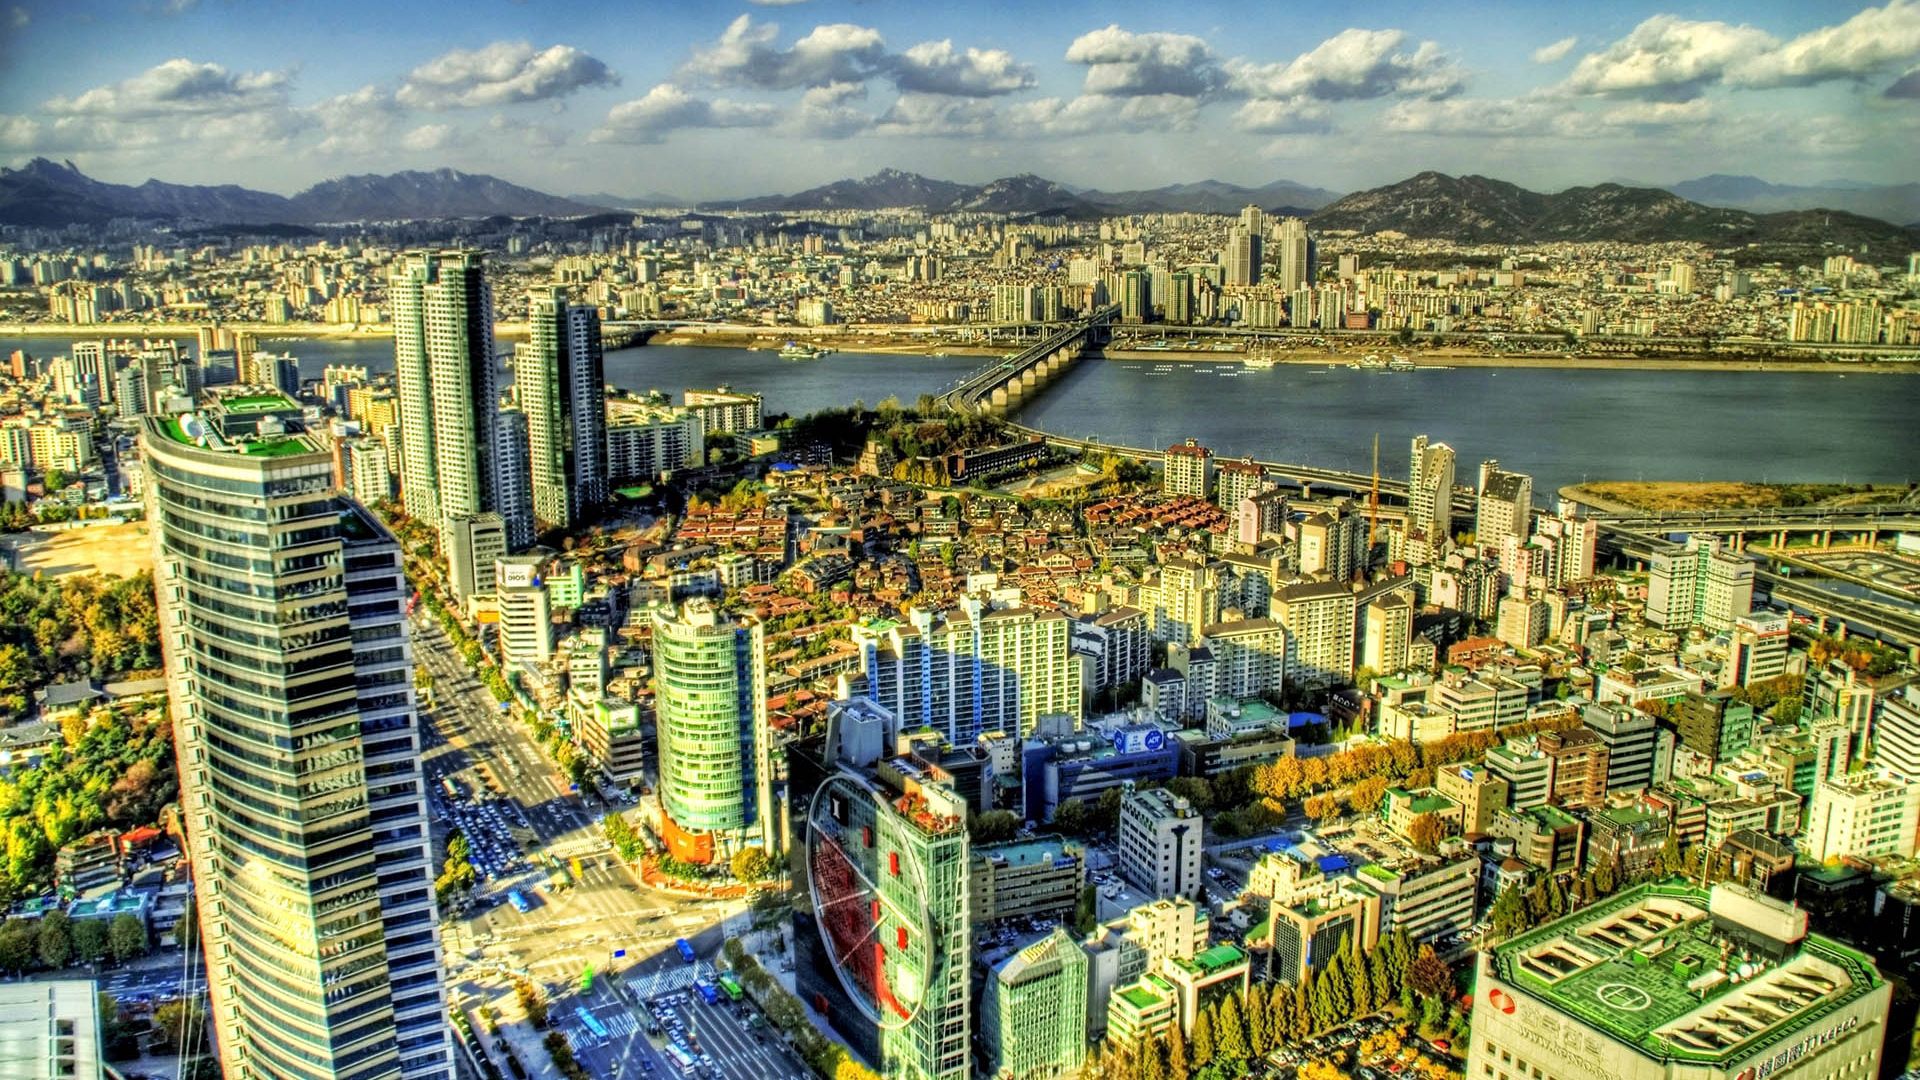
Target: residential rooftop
{"points": [[1026, 852]]}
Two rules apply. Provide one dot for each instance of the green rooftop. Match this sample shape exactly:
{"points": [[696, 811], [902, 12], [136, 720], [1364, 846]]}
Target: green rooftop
{"points": [[249, 403], [1140, 997], [1215, 960], [1639, 964]]}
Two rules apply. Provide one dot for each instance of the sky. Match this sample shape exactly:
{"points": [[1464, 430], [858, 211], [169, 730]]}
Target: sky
{"points": [[721, 99]]}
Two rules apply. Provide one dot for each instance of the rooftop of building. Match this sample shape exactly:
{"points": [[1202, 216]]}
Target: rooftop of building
{"points": [[1213, 961], [1146, 993], [191, 430], [1423, 801], [1654, 969], [1035, 852]]}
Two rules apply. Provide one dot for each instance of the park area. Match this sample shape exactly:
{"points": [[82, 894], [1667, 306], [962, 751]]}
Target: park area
{"points": [[121, 549]]}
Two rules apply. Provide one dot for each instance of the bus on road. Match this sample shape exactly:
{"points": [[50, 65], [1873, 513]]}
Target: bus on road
{"points": [[709, 993], [587, 1020], [518, 901], [686, 950], [452, 787], [730, 986], [680, 1058]]}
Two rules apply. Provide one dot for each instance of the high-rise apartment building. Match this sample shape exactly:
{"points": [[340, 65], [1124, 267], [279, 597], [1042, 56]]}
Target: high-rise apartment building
{"points": [[1504, 508], [282, 608], [447, 383], [1236, 480], [1429, 498], [971, 670], [726, 411], [1757, 650], [710, 703], [1319, 618], [1187, 469], [1862, 816], [560, 380], [883, 934], [1896, 737], [1296, 257], [513, 477], [1034, 1010], [1243, 257], [1699, 585]]}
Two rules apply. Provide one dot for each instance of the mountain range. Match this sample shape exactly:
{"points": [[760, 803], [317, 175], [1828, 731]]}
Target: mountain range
{"points": [[1888, 202], [51, 194], [1470, 209], [1479, 209]]}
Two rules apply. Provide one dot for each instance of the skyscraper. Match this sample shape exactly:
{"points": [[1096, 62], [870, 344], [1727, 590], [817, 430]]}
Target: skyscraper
{"points": [[560, 378], [289, 675], [448, 387], [883, 933], [1243, 257], [1504, 508], [1296, 256], [1034, 1010], [1430, 495], [710, 696]]}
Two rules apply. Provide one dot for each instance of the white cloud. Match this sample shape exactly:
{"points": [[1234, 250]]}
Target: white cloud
{"points": [[1556, 52], [356, 123], [825, 111], [1104, 114], [775, 3], [428, 137], [1872, 41], [19, 132], [1538, 116], [540, 136], [667, 108], [1121, 63], [1667, 58], [1272, 116], [503, 73], [936, 67], [935, 115], [178, 87], [1354, 65], [745, 55]]}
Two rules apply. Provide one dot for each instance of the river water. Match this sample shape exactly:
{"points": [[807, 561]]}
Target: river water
{"points": [[1561, 426]]}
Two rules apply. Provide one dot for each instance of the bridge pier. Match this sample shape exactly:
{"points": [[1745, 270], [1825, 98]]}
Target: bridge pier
{"points": [[999, 398]]}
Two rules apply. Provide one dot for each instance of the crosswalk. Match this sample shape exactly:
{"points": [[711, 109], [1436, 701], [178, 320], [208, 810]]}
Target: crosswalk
{"points": [[669, 980]]}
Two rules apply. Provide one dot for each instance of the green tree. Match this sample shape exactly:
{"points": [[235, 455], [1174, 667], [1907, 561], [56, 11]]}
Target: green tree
{"points": [[1178, 1065], [993, 827], [1429, 975], [1200, 1039], [457, 872], [90, 941], [127, 936], [181, 1027], [1231, 1037], [751, 865], [1259, 1015], [17, 947], [54, 943], [1509, 913]]}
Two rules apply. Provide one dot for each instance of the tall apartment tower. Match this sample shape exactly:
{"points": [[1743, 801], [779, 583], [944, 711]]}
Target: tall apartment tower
{"points": [[1504, 507], [1296, 255], [710, 699], [282, 608], [1698, 585], [1243, 257], [1430, 492], [560, 378], [1186, 469]]}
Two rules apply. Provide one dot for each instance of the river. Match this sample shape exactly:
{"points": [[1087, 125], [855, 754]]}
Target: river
{"points": [[1560, 426]]}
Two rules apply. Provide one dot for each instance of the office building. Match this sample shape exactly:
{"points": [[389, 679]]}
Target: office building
{"points": [[1084, 765], [526, 611], [1479, 791], [448, 387], [1717, 726], [474, 544], [559, 377], [1699, 585], [970, 670], [1425, 897], [1862, 816], [1026, 879], [1504, 507], [283, 613], [50, 1030], [1296, 257], [1160, 843], [1757, 649], [1896, 741], [1629, 736], [513, 478], [1187, 469], [710, 701], [883, 940], [1671, 982], [1034, 1013]]}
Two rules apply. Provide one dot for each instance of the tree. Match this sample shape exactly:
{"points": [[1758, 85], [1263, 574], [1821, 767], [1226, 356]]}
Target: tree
{"points": [[127, 937], [751, 865], [1153, 1066], [90, 941], [1201, 1037], [1259, 1020], [1178, 1067], [1429, 975], [1231, 1038], [54, 943], [993, 827], [182, 1027], [457, 873], [1425, 832], [17, 947], [1365, 796], [1071, 817], [1509, 913], [531, 1002]]}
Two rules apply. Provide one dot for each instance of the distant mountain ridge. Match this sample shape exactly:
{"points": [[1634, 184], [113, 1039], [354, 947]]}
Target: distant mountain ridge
{"points": [[1889, 202], [48, 193], [1479, 209], [1027, 194]]}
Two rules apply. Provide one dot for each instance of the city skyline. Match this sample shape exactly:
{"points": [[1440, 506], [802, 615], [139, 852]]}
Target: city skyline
{"points": [[720, 102]]}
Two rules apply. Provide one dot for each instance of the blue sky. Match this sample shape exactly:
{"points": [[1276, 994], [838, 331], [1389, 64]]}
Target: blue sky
{"points": [[714, 100]]}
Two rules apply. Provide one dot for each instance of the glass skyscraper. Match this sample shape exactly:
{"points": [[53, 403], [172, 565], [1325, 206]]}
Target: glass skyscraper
{"points": [[559, 376], [282, 611], [710, 700]]}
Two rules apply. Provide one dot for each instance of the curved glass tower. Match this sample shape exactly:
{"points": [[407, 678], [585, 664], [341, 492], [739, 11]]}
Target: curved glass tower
{"points": [[289, 677], [709, 683]]}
